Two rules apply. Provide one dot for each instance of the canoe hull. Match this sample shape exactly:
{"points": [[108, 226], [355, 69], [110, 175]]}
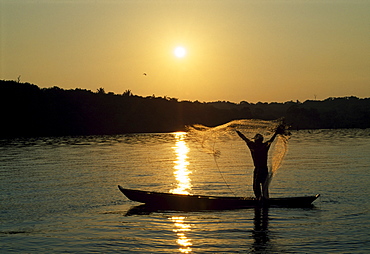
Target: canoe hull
{"points": [[169, 201]]}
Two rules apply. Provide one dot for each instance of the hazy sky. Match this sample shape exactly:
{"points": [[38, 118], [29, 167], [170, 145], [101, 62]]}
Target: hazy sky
{"points": [[268, 51]]}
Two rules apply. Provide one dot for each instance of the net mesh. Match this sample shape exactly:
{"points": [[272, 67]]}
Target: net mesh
{"points": [[210, 138]]}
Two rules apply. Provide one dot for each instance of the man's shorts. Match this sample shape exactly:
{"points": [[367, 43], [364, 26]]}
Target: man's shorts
{"points": [[260, 175]]}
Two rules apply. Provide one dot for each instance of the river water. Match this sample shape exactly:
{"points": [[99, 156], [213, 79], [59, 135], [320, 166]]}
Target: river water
{"points": [[60, 195]]}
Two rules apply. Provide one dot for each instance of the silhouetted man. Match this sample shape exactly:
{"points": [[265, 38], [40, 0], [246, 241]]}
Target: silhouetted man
{"points": [[259, 151]]}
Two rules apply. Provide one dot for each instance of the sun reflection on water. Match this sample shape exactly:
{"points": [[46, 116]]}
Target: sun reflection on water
{"points": [[183, 186], [180, 229], [181, 172]]}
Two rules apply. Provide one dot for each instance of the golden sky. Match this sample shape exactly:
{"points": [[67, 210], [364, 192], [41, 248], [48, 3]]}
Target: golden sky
{"points": [[236, 50]]}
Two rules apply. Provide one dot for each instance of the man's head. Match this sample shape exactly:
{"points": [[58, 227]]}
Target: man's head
{"points": [[258, 138]]}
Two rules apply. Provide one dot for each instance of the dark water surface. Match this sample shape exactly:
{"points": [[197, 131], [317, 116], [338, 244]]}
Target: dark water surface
{"points": [[60, 195]]}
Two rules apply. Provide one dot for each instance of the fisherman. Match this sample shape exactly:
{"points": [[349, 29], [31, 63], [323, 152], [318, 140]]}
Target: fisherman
{"points": [[259, 151]]}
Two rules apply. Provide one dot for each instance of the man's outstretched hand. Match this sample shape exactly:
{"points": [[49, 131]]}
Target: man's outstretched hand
{"points": [[280, 129], [239, 133], [242, 136]]}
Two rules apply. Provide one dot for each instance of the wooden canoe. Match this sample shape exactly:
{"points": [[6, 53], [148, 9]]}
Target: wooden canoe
{"points": [[184, 202]]}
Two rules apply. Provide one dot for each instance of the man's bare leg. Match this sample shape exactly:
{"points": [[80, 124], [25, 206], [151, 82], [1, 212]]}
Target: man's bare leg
{"points": [[265, 189], [257, 189]]}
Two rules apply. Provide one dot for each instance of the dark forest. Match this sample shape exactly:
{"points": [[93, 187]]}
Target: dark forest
{"points": [[28, 110]]}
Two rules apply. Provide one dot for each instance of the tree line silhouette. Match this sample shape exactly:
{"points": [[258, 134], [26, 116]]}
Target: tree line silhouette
{"points": [[28, 110]]}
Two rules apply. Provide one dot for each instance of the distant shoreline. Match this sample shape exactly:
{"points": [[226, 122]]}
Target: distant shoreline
{"points": [[30, 111]]}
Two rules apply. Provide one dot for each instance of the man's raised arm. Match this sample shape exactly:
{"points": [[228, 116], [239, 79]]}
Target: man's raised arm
{"points": [[279, 130], [242, 136]]}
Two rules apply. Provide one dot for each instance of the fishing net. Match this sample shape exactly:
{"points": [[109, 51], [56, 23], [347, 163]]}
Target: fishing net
{"points": [[211, 139]]}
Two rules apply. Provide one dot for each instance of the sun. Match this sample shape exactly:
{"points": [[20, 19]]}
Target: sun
{"points": [[180, 52]]}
